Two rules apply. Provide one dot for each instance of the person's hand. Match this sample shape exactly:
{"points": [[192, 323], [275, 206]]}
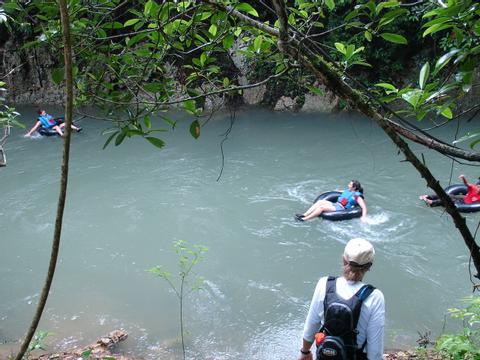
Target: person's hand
{"points": [[461, 177], [363, 219], [27, 135], [309, 356]]}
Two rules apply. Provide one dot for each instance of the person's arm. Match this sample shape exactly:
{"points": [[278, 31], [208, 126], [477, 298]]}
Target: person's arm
{"points": [[305, 353], [363, 206], [462, 177], [33, 129], [375, 327], [313, 321]]}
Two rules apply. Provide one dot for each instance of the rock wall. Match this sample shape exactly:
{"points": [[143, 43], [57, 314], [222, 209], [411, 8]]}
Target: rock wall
{"points": [[29, 81], [29, 75]]}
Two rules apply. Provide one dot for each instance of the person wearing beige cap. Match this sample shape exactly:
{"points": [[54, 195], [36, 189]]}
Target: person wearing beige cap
{"points": [[365, 304]]}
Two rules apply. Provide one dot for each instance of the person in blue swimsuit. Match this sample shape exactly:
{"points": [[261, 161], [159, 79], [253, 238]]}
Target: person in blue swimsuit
{"points": [[350, 197], [47, 122]]}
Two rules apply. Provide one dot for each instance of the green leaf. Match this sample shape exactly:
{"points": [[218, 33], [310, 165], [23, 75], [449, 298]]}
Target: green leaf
{"points": [[447, 112], [424, 74], [121, 136], [439, 20], [390, 16], [58, 75], [130, 22], [101, 33], [147, 121], [467, 136], [203, 58], [247, 8], [412, 97], [159, 143], [112, 25], [86, 354], [110, 138], [228, 41], [394, 38], [315, 90], [204, 15], [436, 28], [330, 4], [476, 28], [340, 47], [368, 36], [195, 129], [432, 13], [351, 15], [444, 60], [386, 4], [148, 7], [257, 43], [189, 106], [349, 51], [357, 50], [213, 29]]}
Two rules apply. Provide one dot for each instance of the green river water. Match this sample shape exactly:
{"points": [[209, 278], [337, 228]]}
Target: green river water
{"points": [[127, 204]]}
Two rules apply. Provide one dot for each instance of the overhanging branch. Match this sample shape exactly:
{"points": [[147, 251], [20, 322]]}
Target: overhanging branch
{"points": [[345, 90]]}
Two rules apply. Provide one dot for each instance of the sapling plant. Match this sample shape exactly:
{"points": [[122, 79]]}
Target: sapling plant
{"points": [[37, 343], [185, 283]]}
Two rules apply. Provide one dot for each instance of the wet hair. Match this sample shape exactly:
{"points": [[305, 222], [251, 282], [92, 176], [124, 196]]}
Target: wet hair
{"points": [[39, 111], [357, 186]]}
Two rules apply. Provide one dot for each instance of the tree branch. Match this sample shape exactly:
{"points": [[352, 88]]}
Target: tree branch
{"points": [[423, 139]]}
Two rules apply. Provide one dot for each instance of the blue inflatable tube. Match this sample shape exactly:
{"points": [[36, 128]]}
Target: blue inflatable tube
{"points": [[338, 215]]}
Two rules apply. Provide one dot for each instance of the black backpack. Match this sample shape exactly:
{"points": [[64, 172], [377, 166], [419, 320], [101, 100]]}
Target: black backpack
{"points": [[340, 324]]}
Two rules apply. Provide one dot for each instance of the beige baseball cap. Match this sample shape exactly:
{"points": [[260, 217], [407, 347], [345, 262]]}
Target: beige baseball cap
{"points": [[359, 252]]}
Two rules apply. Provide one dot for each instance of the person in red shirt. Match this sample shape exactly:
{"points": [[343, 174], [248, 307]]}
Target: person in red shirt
{"points": [[473, 191], [472, 196]]}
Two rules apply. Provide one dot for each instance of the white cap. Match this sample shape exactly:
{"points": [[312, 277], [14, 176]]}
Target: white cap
{"points": [[359, 251]]}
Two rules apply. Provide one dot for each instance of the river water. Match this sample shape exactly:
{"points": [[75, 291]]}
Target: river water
{"points": [[127, 205]]}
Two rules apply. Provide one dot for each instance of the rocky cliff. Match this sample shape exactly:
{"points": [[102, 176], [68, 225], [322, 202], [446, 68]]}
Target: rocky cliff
{"points": [[29, 81]]}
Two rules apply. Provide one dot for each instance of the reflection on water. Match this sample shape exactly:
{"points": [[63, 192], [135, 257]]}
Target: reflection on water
{"points": [[127, 204]]}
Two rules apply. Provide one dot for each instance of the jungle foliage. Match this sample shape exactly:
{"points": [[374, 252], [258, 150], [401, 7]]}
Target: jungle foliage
{"points": [[133, 59], [136, 59]]}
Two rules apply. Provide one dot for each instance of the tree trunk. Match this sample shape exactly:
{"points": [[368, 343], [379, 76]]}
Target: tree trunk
{"points": [[67, 52]]}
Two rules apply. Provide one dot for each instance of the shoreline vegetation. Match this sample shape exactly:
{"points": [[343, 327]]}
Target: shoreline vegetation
{"points": [[105, 348]]}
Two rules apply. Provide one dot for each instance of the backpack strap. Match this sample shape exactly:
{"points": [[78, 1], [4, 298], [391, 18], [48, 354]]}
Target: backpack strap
{"points": [[330, 289], [362, 294]]}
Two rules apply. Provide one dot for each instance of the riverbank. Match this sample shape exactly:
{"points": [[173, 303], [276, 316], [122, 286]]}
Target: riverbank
{"points": [[106, 348]]}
